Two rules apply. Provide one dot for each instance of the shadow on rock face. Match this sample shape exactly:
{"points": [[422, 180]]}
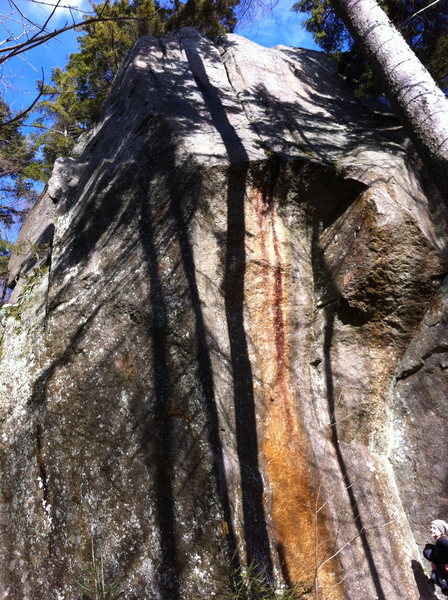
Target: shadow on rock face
{"points": [[255, 527], [424, 584], [123, 431]]}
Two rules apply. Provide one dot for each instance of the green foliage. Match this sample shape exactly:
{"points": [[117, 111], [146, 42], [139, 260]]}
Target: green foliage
{"points": [[94, 585], [249, 583], [76, 93], [39, 251], [16, 190], [101, 592], [5, 253], [426, 33], [13, 150], [62, 119], [210, 17], [6, 248], [16, 187]]}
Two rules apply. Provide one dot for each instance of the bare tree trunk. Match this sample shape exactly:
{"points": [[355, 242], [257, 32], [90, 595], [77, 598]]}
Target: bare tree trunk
{"points": [[418, 101]]}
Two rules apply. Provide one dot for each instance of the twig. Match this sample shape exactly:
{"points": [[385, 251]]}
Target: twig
{"points": [[420, 11], [30, 107], [348, 542], [28, 63], [39, 39], [13, 4]]}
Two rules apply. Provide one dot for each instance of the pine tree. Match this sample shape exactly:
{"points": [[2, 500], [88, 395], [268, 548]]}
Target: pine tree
{"points": [[211, 17], [16, 185], [15, 159], [424, 29]]}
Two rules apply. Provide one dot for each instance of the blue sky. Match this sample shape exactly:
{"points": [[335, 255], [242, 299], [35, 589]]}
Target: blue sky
{"points": [[278, 25]]}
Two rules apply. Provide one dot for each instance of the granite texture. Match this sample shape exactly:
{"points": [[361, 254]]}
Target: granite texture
{"points": [[231, 348]]}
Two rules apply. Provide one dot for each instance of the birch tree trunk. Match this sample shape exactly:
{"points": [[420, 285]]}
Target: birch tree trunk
{"points": [[418, 101]]}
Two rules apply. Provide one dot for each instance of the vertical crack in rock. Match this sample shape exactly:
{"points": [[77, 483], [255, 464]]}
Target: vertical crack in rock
{"points": [[347, 481], [48, 263], [49, 513], [255, 528], [164, 430], [204, 366], [43, 484]]}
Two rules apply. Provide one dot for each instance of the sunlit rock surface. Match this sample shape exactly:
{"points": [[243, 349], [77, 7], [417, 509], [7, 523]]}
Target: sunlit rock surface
{"points": [[228, 342]]}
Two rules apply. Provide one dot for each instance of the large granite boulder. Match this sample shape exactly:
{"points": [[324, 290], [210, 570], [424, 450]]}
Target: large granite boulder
{"points": [[232, 350]]}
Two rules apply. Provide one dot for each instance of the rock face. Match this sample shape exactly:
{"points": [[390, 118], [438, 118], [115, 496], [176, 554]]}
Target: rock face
{"points": [[230, 346]]}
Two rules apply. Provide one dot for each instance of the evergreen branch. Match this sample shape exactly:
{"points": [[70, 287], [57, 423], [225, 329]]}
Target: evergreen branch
{"points": [[36, 126]]}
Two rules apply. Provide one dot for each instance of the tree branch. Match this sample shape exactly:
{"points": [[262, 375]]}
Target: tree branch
{"points": [[421, 10], [23, 113], [39, 38]]}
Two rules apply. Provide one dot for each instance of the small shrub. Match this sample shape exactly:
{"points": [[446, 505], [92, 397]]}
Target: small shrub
{"points": [[94, 586], [250, 583]]}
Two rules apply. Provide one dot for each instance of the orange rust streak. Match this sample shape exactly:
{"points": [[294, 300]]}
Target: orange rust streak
{"points": [[293, 501], [279, 326]]}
